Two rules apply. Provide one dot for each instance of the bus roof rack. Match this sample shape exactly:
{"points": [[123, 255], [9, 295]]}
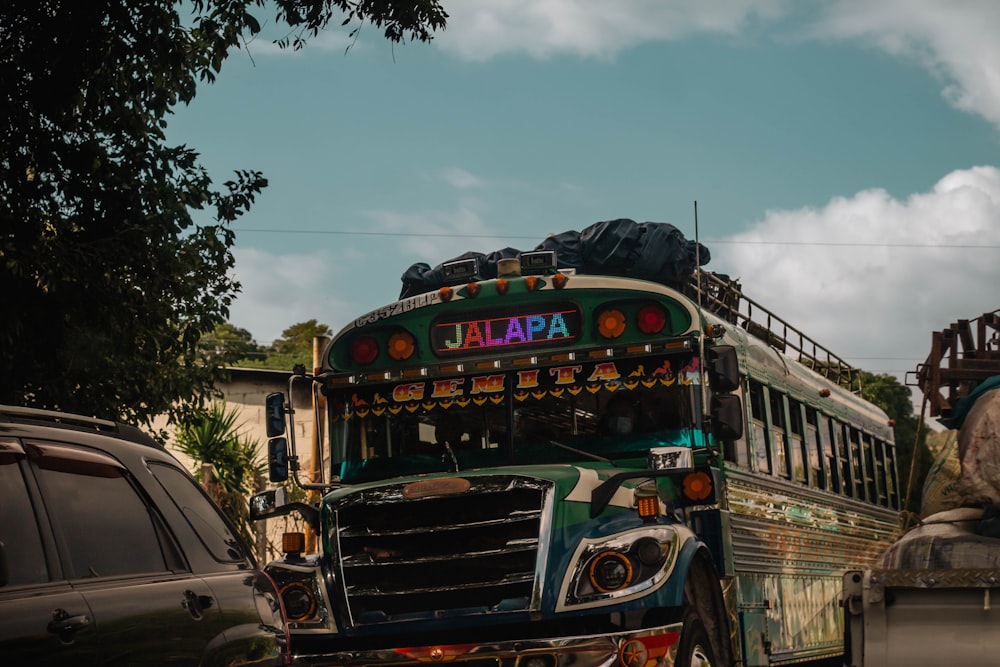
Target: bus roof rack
{"points": [[723, 296]]}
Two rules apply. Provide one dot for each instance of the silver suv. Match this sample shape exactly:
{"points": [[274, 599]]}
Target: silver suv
{"points": [[111, 553]]}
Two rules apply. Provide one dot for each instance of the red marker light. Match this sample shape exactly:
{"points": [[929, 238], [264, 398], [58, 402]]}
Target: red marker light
{"points": [[364, 350], [651, 319]]}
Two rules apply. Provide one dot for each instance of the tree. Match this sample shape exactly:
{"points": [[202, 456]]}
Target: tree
{"points": [[293, 348], [298, 338], [229, 345], [885, 391], [108, 281]]}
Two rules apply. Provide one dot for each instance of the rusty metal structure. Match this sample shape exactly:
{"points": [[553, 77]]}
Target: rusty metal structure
{"points": [[962, 355]]}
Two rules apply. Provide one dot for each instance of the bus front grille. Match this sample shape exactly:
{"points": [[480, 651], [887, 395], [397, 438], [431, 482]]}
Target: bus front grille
{"points": [[470, 553]]}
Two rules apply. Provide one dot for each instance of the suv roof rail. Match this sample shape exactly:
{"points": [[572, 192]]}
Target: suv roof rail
{"points": [[39, 417]]}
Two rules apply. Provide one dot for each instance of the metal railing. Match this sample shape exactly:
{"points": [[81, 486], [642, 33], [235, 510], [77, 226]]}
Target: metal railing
{"points": [[723, 296]]}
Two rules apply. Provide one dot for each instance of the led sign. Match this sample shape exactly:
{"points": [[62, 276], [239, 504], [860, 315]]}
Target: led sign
{"points": [[560, 324]]}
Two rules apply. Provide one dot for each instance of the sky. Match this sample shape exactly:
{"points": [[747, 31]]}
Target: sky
{"points": [[844, 154]]}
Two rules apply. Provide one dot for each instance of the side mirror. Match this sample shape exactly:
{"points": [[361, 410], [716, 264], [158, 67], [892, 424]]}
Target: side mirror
{"points": [[274, 502], [277, 459], [727, 417], [267, 503], [723, 368], [274, 414]]}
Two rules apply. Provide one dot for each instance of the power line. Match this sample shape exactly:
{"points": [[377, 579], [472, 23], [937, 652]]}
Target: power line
{"points": [[858, 245], [451, 235], [407, 234]]}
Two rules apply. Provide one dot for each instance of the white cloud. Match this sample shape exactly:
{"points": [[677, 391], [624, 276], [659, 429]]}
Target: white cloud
{"points": [[849, 276], [282, 290], [334, 37], [460, 178], [435, 236], [954, 39], [486, 29]]}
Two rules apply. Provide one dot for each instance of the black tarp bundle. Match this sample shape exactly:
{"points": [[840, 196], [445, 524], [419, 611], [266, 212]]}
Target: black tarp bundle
{"points": [[654, 251]]}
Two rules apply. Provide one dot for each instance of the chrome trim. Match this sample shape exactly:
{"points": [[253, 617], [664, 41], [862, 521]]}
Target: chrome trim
{"points": [[589, 651], [483, 550]]}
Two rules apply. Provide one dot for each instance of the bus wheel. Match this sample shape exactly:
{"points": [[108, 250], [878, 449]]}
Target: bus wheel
{"points": [[695, 649]]}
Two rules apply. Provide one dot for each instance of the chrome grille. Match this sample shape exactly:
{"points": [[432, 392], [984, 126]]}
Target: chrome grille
{"points": [[473, 552]]}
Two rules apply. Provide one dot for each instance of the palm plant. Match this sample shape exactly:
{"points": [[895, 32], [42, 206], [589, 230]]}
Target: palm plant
{"points": [[210, 437]]}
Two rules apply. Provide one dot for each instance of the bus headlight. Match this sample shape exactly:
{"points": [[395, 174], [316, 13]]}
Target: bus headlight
{"points": [[302, 594], [612, 569], [300, 601]]}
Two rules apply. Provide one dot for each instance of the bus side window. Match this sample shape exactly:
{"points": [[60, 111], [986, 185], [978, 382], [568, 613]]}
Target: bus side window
{"points": [[844, 463], [857, 474], [871, 474], [802, 460], [758, 422], [738, 451], [780, 440], [892, 484], [879, 473], [817, 450], [828, 446]]}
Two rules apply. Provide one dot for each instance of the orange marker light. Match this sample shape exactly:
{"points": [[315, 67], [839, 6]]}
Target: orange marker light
{"points": [[611, 323], [559, 280], [648, 506], [697, 486], [472, 290], [446, 293], [531, 282], [502, 286], [293, 543], [401, 345]]}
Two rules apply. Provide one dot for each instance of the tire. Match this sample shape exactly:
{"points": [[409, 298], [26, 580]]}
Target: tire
{"points": [[695, 649]]}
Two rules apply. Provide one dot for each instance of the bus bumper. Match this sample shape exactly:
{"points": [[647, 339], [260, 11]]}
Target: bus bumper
{"points": [[655, 647]]}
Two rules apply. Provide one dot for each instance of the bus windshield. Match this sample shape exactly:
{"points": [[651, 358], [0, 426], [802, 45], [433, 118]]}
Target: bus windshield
{"points": [[374, 439]]}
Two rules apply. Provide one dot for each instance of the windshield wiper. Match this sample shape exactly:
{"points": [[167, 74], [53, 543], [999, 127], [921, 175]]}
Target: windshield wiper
{"points": [[449, 453], [581, 452]]}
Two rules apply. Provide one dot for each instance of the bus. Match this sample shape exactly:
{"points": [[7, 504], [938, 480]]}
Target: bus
{"points": [[549, 468]]}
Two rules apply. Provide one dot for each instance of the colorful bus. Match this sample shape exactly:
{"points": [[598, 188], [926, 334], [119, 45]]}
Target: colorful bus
{"points": [[548, 468]]}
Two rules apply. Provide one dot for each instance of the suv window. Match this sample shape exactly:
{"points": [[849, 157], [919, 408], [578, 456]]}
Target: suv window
{"points": [[200, 513], [18, 527], [102, 525]]}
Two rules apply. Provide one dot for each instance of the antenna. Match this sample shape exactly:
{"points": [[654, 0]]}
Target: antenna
{"points": [[701, 314], [697, 254]]}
